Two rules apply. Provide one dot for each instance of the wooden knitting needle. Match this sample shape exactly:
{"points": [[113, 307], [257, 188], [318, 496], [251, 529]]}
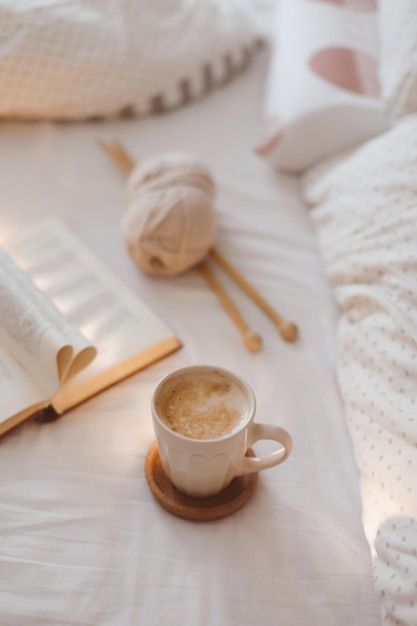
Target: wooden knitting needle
{"points": [[252, 340], [118, 153], [287, 330]]}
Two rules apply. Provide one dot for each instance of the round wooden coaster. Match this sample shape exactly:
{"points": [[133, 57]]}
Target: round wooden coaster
{"points": [[232, 498]]}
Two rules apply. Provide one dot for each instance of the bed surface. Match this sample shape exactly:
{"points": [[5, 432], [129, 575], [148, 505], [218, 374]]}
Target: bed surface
{"points": [[82, 541]]}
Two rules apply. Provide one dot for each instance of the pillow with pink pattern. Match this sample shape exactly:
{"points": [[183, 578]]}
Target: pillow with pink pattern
{"points": [[323, 91]]}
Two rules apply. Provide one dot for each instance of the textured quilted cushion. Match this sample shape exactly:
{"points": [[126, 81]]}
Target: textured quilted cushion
{"points": [[84, 58]]}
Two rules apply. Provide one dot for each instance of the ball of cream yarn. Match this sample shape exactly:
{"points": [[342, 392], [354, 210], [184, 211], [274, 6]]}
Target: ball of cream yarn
{"points": [[170, 222]]}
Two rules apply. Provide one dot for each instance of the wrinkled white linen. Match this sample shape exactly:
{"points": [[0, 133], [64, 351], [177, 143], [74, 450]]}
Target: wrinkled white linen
{"points": [[365, 213], [81, 539]]}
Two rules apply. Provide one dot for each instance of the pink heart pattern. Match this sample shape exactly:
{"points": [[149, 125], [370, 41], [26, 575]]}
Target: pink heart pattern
{"points": [[351, 70]]}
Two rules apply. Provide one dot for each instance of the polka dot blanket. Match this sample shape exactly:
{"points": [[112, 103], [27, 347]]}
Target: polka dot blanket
{"points": [[364, 208]]}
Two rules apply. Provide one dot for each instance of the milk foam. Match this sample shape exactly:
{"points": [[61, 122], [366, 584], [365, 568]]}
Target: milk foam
{"points": [[203, 406]]}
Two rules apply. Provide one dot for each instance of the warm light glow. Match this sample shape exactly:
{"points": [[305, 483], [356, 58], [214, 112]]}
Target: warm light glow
{"points": [[8, 227], [387, 504]]}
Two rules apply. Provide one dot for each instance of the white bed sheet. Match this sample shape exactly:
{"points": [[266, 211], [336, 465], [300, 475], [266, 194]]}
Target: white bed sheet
{"points": [[82, 541]]}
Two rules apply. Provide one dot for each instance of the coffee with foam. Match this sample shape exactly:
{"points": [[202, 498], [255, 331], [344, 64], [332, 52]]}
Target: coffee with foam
{"points": [[204, 406]]}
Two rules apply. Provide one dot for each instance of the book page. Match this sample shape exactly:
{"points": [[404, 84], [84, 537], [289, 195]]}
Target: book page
{"points": [[17, 392], [94, 300], [35, 333]]}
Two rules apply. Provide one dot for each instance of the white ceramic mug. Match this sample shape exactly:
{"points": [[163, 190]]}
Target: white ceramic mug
{"points": [[203, 467]]}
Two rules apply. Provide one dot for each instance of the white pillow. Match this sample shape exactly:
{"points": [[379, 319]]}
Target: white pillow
{"points": [[364, 208], [86, 58], [323, 86]]}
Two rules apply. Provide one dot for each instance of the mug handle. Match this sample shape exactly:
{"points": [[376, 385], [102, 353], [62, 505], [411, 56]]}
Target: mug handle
{"points": [[266, 431]]}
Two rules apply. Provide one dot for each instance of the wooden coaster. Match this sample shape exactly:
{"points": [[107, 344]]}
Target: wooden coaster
{"points": [[232, 498]]}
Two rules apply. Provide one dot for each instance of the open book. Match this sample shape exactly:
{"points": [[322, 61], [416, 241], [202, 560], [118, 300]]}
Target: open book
{"points": [[68, 327]]}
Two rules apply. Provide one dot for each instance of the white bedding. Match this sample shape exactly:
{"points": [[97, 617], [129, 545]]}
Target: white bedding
{"points": [[82, 541], [87, 59], [365, 213]]}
